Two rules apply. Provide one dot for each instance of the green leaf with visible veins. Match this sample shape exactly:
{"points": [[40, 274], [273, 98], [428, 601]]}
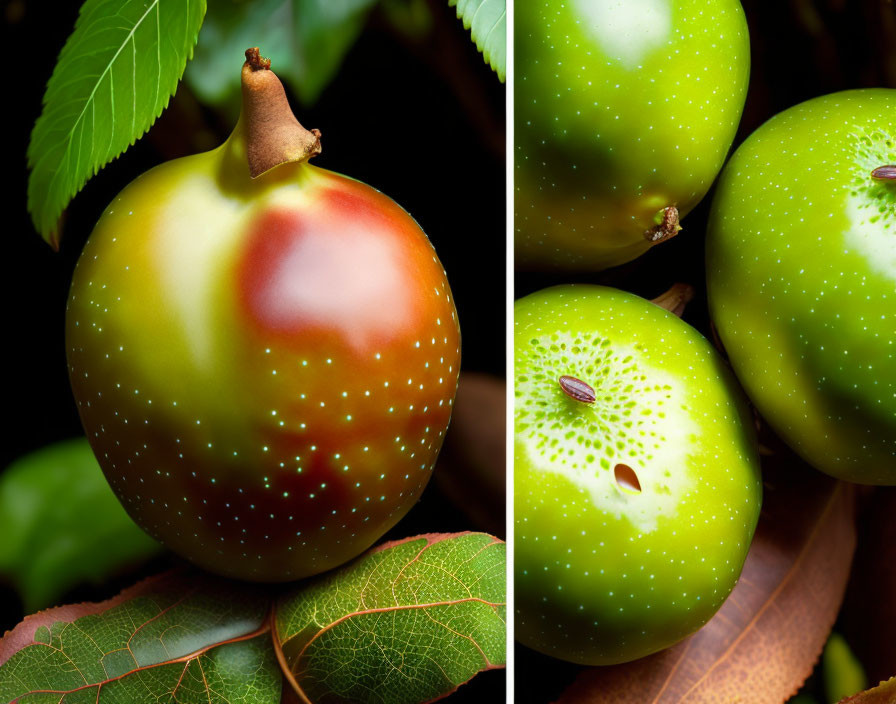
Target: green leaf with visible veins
{"points": [[61, 525], [409, 621], [487, 22], [181, 637], [306, 41], [113, 78]]}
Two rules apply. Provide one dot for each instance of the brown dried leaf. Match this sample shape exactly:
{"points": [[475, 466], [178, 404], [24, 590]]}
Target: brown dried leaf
{"points": [[762, 644], [884, 693], [471, 469], [869, 613]]}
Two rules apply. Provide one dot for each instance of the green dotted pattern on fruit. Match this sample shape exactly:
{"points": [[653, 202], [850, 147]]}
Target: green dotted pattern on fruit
{"points": [[870, 195], [622, 109], [257, 451], [624, 425], [605, 573], [871, 205], [801, 260]]}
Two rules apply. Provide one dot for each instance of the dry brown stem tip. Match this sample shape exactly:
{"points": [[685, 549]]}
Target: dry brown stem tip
{"points": [[667, 229], [256, 61]]}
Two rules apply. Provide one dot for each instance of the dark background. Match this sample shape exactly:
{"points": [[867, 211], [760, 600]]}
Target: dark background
{"points": [[422, 120], [800, 49]]}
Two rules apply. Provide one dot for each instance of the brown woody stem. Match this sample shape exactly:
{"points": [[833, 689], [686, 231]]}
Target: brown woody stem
{"points": [[884, 173], [273, 134], [675, 299]]}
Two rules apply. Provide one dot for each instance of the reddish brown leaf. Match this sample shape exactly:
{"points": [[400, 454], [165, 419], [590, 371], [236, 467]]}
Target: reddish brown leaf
{"points": [[471, 469], [884, 693], [762, 645], [869, 613]]}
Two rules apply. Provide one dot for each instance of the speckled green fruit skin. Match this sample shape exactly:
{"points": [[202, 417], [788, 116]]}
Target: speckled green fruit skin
{"points": [[605, 575], [801, 267], [621, 109], [264, 368]]}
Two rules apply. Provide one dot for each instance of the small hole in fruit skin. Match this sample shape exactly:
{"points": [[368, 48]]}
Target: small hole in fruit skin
{"points": [[627, 479]]}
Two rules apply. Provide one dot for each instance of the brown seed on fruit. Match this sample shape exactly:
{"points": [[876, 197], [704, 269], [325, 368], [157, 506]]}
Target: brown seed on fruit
{"points": [[885, 173], [577, 389]]}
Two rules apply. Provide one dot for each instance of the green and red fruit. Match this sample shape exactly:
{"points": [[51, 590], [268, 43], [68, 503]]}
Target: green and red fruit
{"points": [[265, 367], [637, 482], [801, 267], [625, 112]]}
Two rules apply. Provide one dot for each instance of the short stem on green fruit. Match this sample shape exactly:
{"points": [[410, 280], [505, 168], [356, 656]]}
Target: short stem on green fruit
{"points": [[667, 226], [675, 299], [577, 389], [273, 134], [884, 173]]}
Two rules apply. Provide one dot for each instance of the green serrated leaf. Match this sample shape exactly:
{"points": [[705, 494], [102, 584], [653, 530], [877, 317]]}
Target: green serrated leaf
{"points": [[113, 78], [407, 622], [183, 637], [306, 41], [487, 22], [62, 525]]}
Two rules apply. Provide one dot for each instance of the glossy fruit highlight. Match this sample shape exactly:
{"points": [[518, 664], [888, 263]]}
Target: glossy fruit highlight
{"points": [[801, 268], [624, 113], [637, 482], [265, 367]]}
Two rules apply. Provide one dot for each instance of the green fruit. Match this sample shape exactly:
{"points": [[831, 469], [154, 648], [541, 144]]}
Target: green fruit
{"points": [[264, 367], [843, 673], [801, 265], [634, 512], [622, 109]]}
